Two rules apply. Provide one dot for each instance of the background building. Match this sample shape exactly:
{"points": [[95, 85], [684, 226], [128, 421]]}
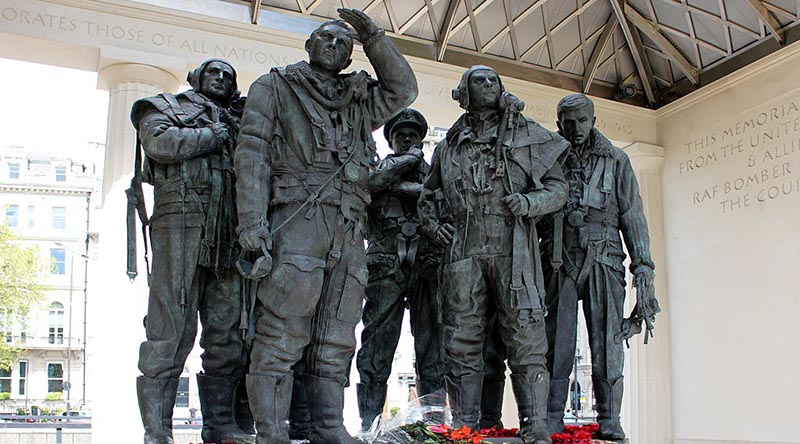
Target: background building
{"points": [[46, 200]]}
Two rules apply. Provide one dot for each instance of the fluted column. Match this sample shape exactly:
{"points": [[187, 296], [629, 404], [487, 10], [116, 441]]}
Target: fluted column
{"points": [[126, 83], [647, 409], [118, 307]]}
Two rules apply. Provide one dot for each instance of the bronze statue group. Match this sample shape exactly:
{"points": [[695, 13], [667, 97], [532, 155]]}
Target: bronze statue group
{"points": [[261, 210]]}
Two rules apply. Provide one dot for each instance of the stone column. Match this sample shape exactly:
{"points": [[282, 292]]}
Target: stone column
{"points": [[126, 83], [115, 316], [647, 407]]}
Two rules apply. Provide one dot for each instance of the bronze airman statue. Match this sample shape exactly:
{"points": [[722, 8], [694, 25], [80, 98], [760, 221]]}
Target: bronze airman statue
{"points": [[303, 161], [188, 141], [492, 176], [583, 261], [403, 264]]}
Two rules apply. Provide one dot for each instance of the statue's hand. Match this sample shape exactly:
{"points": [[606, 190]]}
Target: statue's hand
{"points": [[517, 204], [416, 152], [220, 131], [360, 21], [256, 238], [444, 234], [643, 277]]}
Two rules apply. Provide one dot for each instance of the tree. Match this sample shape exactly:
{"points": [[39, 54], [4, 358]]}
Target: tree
{"points": [[21, 275]]}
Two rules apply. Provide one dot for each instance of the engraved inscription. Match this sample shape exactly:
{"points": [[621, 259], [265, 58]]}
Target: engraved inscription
{"points": [[755, 156]]}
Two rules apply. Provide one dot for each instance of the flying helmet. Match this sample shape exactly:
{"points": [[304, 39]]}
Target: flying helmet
{"points": [[461, 93], [195, 76]]}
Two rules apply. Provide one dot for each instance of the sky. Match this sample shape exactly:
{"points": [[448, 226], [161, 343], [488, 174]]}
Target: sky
{"points": [[50, 109]]}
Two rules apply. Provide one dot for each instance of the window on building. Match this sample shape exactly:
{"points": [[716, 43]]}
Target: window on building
{"points": [[12, 215], [22, 328], [58, 261], [31, 216], [56, 321], [182, 398], [6, 325], [5, 381], [61, 174], [13, 171], [59, 217], [23, 376], [55, 377]]}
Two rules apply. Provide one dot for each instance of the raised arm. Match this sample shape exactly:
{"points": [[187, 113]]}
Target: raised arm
{"points": [[391, 170], [397, 83]]}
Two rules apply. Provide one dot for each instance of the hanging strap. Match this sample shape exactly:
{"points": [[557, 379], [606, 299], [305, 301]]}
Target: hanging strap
{"points": [[558, 240], [212, 218], [136, 205], [522, 279]]}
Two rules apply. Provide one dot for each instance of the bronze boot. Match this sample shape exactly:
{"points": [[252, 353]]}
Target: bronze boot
{"points": [[156, 400], [244, 417], [531, 394], [465, 399], [559, 389], [218, 403], [298, 412], [609, 402], [492, 404], [326, 401], [269, 401], [432, 396], [371, 398]]}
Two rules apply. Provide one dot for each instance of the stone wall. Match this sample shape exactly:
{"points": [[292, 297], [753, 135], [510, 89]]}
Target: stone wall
{"points": [[731, 181]]}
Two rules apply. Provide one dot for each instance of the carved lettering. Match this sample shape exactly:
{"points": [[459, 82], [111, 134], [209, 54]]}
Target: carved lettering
{"points": [[755, 158], [115, 30]]}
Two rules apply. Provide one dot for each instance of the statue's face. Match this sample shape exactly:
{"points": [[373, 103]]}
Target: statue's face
{"points": [[484, 90], [576, 125], [404, 137], [329, 48], [216, 82]]}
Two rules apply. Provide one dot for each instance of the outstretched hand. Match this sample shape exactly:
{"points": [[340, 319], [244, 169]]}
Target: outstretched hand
{"points": [[363, 25]]}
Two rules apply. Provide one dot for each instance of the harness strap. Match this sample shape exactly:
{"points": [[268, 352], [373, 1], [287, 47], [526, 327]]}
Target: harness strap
{"points": [[136, 205], [558, 239], [212, 218]]}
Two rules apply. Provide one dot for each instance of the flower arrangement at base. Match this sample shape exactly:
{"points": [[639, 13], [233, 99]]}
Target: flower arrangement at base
{"points": [[425, 433], [575, 434], [422, 433]]}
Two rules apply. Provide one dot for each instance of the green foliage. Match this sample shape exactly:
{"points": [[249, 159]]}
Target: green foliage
{"points": [[54, 396], [21, 275], [5, 396]]}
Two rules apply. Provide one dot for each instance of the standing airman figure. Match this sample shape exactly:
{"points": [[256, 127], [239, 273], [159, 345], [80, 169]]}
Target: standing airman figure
{"points": [[583, 261], [303, 160], [402, 263], [188, 141], [496, 173]]}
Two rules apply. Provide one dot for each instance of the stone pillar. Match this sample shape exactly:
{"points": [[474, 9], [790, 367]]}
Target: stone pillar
{"points": [[647, 407], [115, 316], [126, 83]]}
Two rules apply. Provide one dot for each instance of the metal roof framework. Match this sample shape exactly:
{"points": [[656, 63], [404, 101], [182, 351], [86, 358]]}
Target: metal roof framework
{"points": [[657, 50]]}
